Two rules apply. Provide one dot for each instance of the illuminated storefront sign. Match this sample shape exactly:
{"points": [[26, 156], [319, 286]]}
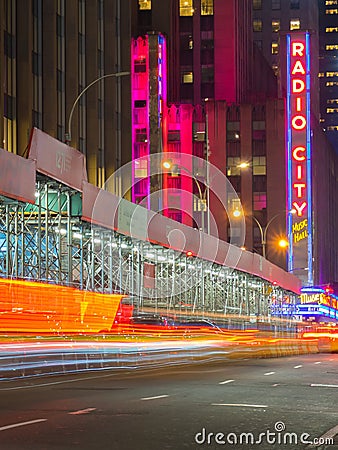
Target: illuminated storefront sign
{"points": [[299, 154], [321, 299]]}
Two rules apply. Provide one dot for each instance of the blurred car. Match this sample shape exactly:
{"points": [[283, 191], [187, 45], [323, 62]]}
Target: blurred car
{"points": [[152, 319], [147, 324], [200, 325]]}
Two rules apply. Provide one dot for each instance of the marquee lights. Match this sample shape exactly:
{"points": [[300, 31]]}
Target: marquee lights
{"points": [[299, 151]]}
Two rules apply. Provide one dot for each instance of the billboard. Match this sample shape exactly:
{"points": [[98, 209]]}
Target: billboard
{"points": [[298, 142]]}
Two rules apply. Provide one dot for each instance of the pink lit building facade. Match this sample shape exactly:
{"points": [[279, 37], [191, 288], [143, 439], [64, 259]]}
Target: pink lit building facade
{"points": [[223, 106]]}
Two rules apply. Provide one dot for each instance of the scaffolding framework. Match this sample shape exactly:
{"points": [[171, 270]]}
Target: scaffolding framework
{"points": [[50, 242]]}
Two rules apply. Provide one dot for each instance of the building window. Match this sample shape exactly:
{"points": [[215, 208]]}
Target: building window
{"points": [[144, 4], [332, 101], [332, 74], [275, 24], [259, 183], [331, 30], [257, 4], [275, 4], [258, 130], [186, 8], [331, 2], [37, 64], [257, 25], [275, 68], [60, 26], [331, 83], [233, 168], [82, 44], [331, 47], [332, 128], [187, 77], [207, 7], [321, 75], [331, 11], [331, 110], [274, 47], [294, 4], [207, 74], [10, 107], [259, 165], [294, 24], [9, 45], [259, 201], [233, 131]]}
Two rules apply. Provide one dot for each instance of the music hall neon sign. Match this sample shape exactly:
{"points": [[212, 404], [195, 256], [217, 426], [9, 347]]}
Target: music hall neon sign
{"points": [[299, 151]]}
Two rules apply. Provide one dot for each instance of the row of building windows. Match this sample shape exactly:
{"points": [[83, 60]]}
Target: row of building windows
{"points": [[235, 165], [275, 25], [331, 2], [275, 4], [331, 83], [332, 128], [274, 48], [331, 11], [331, 110], [332, 101], [331, 47], [328, 75], [331, 29], [187, 9]]}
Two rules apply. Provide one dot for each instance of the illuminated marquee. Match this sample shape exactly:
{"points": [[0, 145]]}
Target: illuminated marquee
{"points": [[322, 299], [299, 154]]}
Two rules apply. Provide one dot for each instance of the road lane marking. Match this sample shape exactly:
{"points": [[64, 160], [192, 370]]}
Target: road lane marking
{"points": [[318, 362], [239, 405], [324, 385], [21, 424], [154, 398], [82, 411], [276, 384], [269, 373], [298, 367], [226, 381]]}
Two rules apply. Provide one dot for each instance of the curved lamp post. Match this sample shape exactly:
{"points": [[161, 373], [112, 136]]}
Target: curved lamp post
{"points": [[263, 230], [68, 136]]}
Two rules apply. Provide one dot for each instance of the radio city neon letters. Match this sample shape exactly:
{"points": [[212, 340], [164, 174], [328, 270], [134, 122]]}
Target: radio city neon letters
{"points": [[299, 152], [298, 124]]}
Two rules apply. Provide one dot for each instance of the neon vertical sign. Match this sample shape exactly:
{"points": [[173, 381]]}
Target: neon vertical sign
{"points": [[299, 155]]}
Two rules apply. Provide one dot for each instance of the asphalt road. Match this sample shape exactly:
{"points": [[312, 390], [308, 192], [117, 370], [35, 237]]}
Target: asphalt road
{"points": [[178, 408]]}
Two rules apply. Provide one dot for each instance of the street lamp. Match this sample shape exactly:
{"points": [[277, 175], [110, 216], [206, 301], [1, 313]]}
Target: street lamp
{"points": [[168, 165], [68, 136], [283, 243]]}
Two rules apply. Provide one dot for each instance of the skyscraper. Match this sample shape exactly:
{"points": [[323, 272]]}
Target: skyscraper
{"points": [[50, 51], [222, 99]]}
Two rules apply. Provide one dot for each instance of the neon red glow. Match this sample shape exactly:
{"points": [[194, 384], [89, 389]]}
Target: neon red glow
{"points": [[296, 151], [39, 307], [298, 68], [298, 125], [297, 48], [299, 151], [299, 207]]}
